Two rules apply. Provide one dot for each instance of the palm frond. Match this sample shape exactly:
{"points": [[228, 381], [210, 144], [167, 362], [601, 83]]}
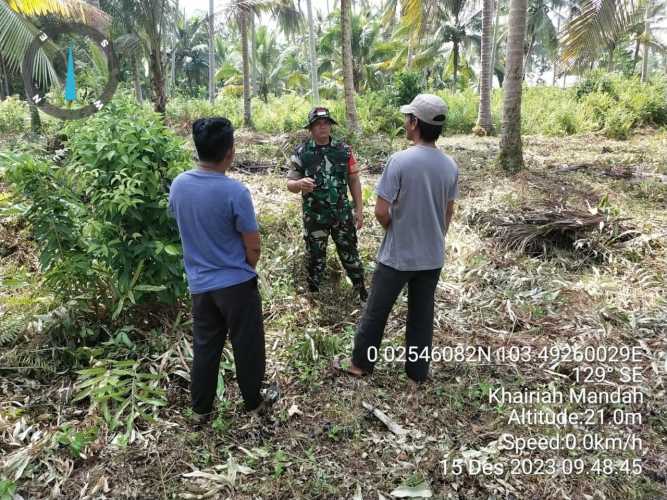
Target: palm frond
{"points": [[39, 7], [16, 35], [73, 10], [599, 23]]}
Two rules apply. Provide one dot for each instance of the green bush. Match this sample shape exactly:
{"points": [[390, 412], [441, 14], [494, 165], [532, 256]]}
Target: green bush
{"points": [[545, 110], [618, 123], [13, 115], [596, 81], [101, 220], [646, 102], [379, 112], [407, 84], [597, 106], [462, 111]]}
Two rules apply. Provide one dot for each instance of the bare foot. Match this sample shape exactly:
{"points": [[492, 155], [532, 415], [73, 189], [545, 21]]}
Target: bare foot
{"points": [[347, 367]]}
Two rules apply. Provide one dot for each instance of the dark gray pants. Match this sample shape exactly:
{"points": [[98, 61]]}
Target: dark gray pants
{"points": [[387, 285], [236, 310]]}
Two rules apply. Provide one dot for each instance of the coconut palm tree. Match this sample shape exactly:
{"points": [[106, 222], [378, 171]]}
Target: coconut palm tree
{"points": [[511, 155], [542, 34], [146, 24], [348, 75], [288, 18], [312, 55], [211, 52], [373, 58], [192, 52], [484, 123]]}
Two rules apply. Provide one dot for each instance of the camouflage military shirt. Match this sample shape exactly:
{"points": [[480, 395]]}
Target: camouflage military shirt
{"points": [[330, 166]]}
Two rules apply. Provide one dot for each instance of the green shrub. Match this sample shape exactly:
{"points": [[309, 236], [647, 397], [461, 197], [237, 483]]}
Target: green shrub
{"points": [[545, 110], [101, 220], [597, 106], [407, 84], [379, 112], [618, 123], [596, 81], [75, 440], [462, 111], [646, 102], [13, 115]]}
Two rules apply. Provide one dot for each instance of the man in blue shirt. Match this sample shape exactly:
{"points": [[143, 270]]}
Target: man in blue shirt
{"points": [[221, 247]]}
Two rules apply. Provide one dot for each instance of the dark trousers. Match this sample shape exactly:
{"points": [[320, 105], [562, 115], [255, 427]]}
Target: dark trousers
{"points": [[236, 310], [387, 285]]}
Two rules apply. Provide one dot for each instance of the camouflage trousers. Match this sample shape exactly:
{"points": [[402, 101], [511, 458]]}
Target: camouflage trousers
{"points": [[344, 235]]}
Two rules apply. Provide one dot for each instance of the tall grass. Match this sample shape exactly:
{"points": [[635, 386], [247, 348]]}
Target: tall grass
{"points": [[614, 108]]}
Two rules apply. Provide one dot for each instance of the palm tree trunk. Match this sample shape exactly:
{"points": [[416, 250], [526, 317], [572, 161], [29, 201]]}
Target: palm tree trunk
{"points": [[4, 86], [455, 50], [555, 65], [314, 85], [610, 62], [484, 123], [157, 79], [647, 38], [529, 53], [635, 57], [172, 67], [136, 75], [211, 52], [254, 79], [243, 25], [348, 77], [492, 64], [511, 154], [35, 120]]}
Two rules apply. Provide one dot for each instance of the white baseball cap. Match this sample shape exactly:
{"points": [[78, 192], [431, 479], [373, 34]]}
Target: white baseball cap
{"points": [[428, 108]]}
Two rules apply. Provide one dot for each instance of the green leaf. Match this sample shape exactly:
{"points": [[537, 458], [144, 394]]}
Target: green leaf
{"points": [[150, 288], [172, 249], [119, 309]]}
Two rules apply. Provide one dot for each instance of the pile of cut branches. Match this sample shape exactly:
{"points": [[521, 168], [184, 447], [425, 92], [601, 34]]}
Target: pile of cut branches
{"points": [[539, 231]]}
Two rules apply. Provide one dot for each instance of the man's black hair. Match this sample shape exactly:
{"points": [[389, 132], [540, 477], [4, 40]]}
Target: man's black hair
{"points": [[213, 138], [428, 132]]}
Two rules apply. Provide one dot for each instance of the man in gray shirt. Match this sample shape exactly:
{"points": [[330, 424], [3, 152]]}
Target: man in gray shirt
{"points": [[415, 203]]}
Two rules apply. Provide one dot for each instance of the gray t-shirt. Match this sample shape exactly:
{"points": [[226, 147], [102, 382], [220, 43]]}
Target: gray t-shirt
{"points": [[419, 182]]}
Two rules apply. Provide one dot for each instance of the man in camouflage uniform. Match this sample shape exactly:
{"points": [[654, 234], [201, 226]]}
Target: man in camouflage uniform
{"points": [[322, 169]]}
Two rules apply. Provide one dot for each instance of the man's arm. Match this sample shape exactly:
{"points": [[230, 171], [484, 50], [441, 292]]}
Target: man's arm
{"points": [[382, 213], [449, 212], [252, 245], [354, 182], [306, 185]]}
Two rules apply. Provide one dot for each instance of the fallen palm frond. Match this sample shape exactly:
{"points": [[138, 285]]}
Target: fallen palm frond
{"points": [[538, 231]]}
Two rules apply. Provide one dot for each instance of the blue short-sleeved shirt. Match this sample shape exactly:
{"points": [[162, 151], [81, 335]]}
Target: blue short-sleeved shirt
{"points": [[212, 211]]}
